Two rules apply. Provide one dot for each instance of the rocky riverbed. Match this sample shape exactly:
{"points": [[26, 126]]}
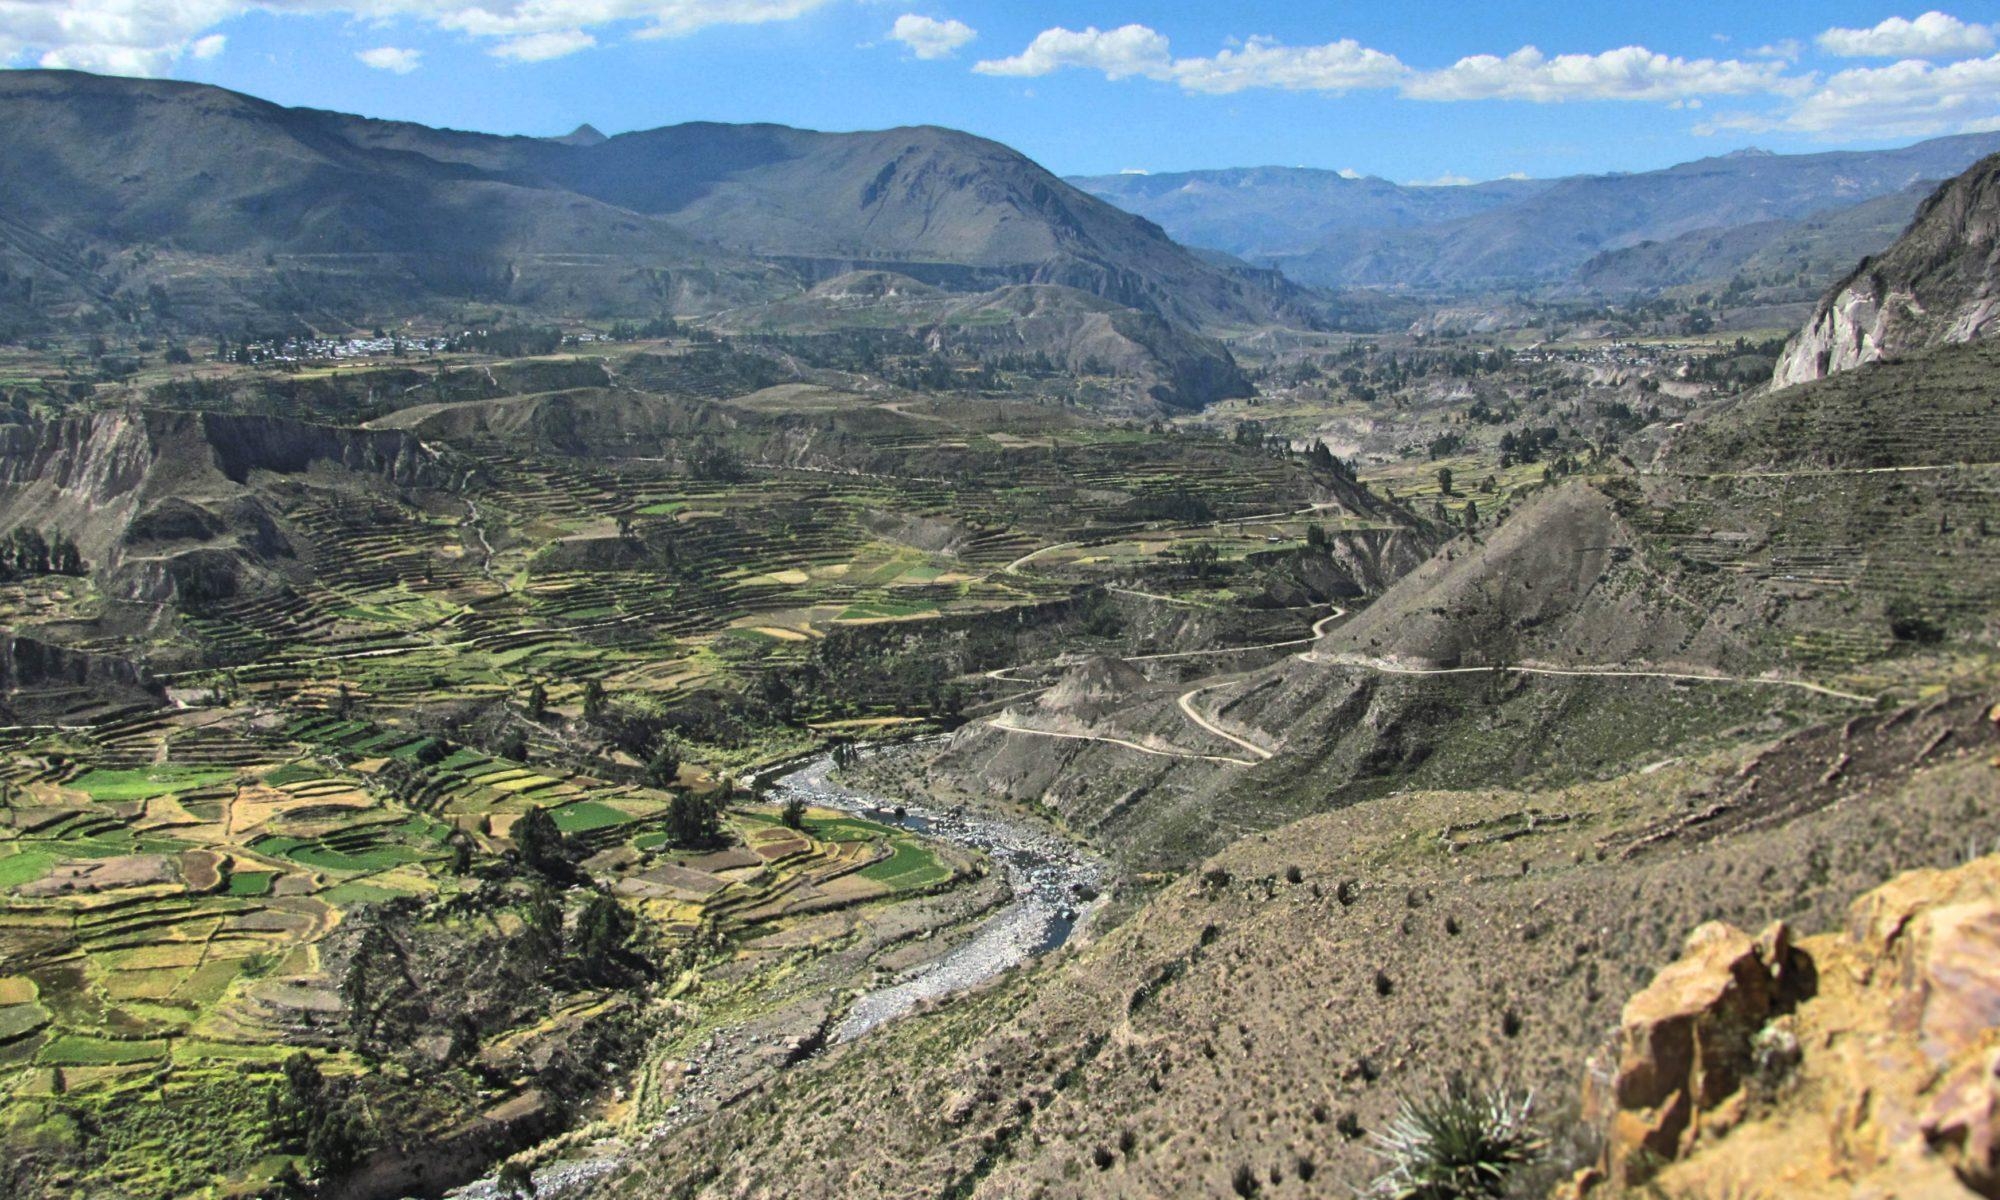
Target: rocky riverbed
{"points": [[1052, 880], [1051, 887]]}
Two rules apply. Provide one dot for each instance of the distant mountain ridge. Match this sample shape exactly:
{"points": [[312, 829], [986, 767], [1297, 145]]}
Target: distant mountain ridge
{"points": [[1324, 229], [220, 209]]}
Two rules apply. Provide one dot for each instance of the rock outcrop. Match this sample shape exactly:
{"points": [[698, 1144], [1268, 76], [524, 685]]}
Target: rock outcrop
{"points": [[1940, 283], [1863, 1063]]}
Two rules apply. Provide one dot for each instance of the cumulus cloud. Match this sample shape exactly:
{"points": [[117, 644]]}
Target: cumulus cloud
{"points": [[1119, 53], [540, 47], [119, 37], [208, 47], [1445, 180], [392, 58], [145, 37], [929, 38], [1933, 35], [1139, 51], [1911, 98], [1628, 73], [1341, 66]]}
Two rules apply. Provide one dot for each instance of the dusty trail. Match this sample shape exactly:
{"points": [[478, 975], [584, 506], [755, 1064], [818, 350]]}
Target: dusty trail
{"points": [[1186, 701], [1812, 472], [1193, 714], [1006, 726], [1389, 668]]}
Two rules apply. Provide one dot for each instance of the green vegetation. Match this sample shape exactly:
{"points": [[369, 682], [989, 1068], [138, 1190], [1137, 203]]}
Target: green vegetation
{"points": [[1457, 1145], [144, 783]]}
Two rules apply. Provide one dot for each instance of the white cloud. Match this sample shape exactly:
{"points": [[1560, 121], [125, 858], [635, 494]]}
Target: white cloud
{"points": [[208, 47], [1139, 51], [1350, 173], [1341, 66], [1628, 73], [392, 58], [1120, 53], [679, 18], [119, 37], [540, 47], [929, 38], [1445, 180], [146, 37], [1788, 49], [1911, 98], [1135, 171], [1933, 35]]}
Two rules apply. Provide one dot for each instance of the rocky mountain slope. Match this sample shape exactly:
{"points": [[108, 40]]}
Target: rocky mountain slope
{"points": [[201, 207], [1512, 234], [173, 509], [1940, 283]]}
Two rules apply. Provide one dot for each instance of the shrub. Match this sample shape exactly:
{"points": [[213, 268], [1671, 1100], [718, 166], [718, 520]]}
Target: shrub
{"points": [[1455, 1145]]}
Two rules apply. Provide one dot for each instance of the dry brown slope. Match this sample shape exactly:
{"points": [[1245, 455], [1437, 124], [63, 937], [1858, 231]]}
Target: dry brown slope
{"points": [[1244, 1021]]}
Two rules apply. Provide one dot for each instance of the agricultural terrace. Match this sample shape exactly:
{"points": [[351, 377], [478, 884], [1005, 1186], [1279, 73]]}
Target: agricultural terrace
{"points": [[170, 885]]}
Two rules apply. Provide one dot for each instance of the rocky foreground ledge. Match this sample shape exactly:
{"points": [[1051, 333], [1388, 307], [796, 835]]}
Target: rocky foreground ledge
{"points": [[1860, 1063]]}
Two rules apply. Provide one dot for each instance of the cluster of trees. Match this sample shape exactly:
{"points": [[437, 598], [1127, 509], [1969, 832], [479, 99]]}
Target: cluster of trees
{"points": [[658, 327], [715, 462], [1527, 445], [508, 343], [1742, 364], [854, 671], [25, 552], [318, 1118]]}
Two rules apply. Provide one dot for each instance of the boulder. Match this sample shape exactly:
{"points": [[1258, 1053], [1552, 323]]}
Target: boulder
{"points": [[1865, 1063], [1685, 1042]]}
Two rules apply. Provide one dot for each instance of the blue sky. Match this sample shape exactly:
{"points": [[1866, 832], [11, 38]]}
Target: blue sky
{"points": [[1409, 91]]}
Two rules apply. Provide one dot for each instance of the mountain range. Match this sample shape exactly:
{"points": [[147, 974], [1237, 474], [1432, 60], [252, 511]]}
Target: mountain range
{"points": [[209, 209], [1326, 229]]}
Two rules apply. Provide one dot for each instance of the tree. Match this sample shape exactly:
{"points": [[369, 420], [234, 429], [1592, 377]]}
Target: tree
{"points": [[793, 814], [1316, 536], [602, 931], [593, 701], [515, 1180], [541, 937], [543, 847], [692, 821], [301, 1103], [1444, 481], [1202, 557], [512, 743], [1471, 516], [336, 1142], [64, 557], [538, 702], [665, 769]]}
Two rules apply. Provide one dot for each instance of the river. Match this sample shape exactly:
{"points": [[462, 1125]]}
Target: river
{"points": [[1053, 884]]}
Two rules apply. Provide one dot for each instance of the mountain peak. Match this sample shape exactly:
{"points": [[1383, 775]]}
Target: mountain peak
{"points": [[1751, 152], [585, 134]]}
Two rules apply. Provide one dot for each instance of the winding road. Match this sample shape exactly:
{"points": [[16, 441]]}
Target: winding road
{"points": [[1187, 707]]}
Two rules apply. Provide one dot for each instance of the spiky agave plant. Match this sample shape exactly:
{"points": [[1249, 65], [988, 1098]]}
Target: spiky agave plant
{"points": [[1455, 1145]]}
